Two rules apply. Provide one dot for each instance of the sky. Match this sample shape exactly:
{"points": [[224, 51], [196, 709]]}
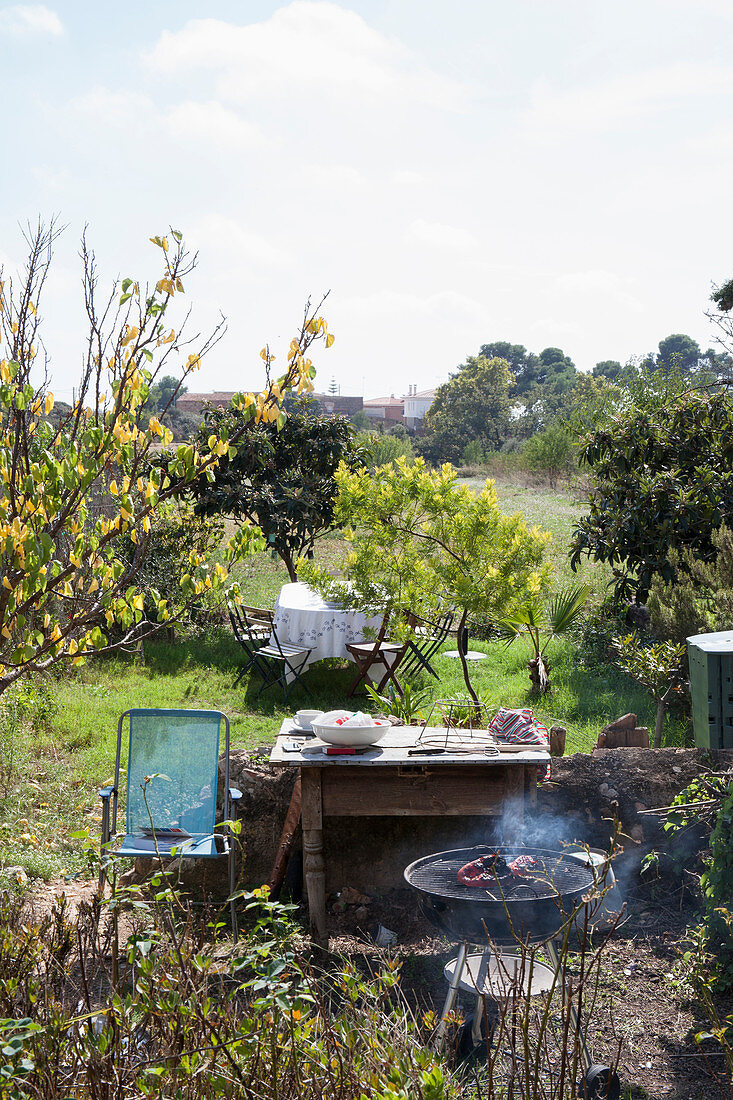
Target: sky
{"points": [[548, 172]]}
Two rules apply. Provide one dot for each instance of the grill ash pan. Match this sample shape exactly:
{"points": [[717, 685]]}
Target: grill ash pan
{"points": [[535, 909]]}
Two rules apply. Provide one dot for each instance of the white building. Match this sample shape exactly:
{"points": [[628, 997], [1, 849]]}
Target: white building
{"points": [[416, 405]]}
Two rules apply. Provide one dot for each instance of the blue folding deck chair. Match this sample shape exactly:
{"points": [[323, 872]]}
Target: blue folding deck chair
{"points": [[172, 779]]}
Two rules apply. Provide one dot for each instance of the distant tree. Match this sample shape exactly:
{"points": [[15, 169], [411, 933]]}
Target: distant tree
{"points": [[608, 368], [472, 405], [282, 479], [164, 394], [384, 447], [550, 452], [523, 364], [679, 351], [361, 421], [473, 453]]}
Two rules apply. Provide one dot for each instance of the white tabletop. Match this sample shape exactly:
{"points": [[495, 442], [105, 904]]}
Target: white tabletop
{"points": [[304, 618], [393, 749]]}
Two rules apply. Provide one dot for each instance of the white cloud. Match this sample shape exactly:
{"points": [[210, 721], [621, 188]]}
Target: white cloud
{"points": [[443, 307], [307, 46], [245, 250], [598, 285], [405, 177], [199, 123], [213, 124], [622, 100], [114, 108], [331, 177], [437, 235], [21, 20]]}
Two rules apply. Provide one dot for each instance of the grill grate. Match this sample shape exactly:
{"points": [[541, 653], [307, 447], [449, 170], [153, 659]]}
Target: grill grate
{"points": [[558, 875]]}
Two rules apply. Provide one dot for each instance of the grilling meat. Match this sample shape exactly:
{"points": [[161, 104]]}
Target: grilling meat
{"points": [[486, 870]]}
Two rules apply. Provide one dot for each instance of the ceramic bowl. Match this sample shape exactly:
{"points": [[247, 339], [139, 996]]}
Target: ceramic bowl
{"points": [[353, 736]]}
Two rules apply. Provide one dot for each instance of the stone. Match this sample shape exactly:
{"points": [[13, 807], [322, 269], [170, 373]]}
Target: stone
{"points": [[361, 913], [640, 806], [558, 735], [349, 896]]}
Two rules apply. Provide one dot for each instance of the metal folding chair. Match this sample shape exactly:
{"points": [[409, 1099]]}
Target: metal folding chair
{"points": [[427, 639], [276, 661], [377, 654], [171, 790], [252, 627]]}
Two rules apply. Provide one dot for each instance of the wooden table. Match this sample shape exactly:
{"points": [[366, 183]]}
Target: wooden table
{"points": [[386, 781]]}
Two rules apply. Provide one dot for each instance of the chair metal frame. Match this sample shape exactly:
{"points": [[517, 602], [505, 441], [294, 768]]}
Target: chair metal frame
{"points": [[201, 846], [250, 635], [425, 643], [274, 660]]}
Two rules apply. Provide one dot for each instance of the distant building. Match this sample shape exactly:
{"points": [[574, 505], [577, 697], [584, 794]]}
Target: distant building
{"points": [[333, 404], [195, 403], [416, 405], [329, 404], [389, 410]]}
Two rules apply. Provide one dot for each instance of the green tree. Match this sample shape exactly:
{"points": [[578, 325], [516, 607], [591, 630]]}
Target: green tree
{"points": [[73, 491], [680, 351], [472, 405], [383, 447], [608, 368], [164, 394], [550, 452], [524, 365], [280, 479], [658, 668], [663, 479], [419, 541]]}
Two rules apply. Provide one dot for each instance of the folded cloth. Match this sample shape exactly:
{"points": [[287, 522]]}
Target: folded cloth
{"points": [[520, 727]]}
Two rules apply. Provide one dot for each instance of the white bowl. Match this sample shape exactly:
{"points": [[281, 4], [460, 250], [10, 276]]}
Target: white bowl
{"points": [[353, 736]]}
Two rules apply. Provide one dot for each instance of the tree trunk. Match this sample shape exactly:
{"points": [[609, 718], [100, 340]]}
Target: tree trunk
{"points": [[289, 565], [539, 674], [661, 708], [462, 656]]}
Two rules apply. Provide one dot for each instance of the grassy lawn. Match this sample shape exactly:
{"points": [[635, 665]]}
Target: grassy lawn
{"points": [[54, 755]]}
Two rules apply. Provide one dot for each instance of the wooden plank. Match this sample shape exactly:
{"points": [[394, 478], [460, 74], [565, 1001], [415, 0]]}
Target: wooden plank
{"points": [[311, 801], [423, 792]]}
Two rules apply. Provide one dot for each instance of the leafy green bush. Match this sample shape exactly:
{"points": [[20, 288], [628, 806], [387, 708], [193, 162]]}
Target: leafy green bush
{"points": [[170, 1015], [701, 598], [717, 888], [550, 452]]}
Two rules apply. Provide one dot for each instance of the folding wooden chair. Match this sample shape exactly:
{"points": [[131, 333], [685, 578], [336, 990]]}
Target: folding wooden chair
{"points": [[377, 654], [171, 790]]}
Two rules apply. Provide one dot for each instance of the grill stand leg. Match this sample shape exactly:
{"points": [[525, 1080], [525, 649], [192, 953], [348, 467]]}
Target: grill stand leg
{"points": [[478, 1016], [450, 999], [585, 1057]]}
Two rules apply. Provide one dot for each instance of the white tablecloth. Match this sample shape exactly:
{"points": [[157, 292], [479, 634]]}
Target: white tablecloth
{"points": [[302, 617]]}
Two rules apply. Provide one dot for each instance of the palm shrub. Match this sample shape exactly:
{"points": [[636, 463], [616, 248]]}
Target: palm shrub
{"points": [[538, 623]]}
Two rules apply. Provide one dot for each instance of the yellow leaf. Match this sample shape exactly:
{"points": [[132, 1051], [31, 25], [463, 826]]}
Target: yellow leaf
{"points": [[14, 327], [329, 340], [263, 354], [49, 403], [113, 488], [165, 244]]}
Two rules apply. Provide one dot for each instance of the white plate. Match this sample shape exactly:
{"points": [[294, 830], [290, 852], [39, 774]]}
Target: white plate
{"points": [[521, 746], [302, 729]]}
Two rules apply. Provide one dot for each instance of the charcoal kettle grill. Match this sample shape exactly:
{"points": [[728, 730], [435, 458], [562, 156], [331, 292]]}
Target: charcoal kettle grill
{"points": [[507, 908]]}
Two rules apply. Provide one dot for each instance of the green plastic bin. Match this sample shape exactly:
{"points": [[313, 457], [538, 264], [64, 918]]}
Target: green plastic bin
{"points": [[711, 688]]}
